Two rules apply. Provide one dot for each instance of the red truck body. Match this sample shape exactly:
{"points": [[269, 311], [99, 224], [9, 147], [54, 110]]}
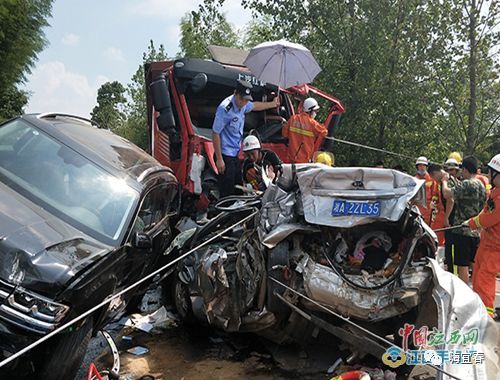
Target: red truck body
{"points": [[192, 110]]}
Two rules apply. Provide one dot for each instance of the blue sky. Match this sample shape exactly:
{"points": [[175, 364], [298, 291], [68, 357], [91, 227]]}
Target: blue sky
{"points": [[92, 42]]}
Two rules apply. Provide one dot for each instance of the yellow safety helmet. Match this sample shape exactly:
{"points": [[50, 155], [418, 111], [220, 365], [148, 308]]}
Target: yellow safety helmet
{"points": [[456, 155], [325, 158]]}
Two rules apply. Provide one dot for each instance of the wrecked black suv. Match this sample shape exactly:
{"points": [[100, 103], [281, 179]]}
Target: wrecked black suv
{"points": [[83, 214]]}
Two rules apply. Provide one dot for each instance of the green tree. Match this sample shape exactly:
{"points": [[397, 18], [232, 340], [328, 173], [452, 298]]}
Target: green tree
{"points": [[469, 77], [207, 26], [136, 128], [109, 111], [374, 57], [12, 101], [399, 67], [258, 30], [21, 39]]}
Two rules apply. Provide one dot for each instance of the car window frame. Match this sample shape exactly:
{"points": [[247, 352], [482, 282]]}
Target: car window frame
{"points": [[152, 229]]}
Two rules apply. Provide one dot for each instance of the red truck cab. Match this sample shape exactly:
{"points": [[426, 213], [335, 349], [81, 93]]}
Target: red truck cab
{"points": [[182, 98]]}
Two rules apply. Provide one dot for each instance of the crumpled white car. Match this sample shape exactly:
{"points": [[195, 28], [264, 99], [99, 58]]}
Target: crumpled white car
{"points": [[327, 244]]}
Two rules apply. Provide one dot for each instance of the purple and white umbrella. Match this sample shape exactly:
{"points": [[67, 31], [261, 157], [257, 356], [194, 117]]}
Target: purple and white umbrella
{"points": [[282, 63]]}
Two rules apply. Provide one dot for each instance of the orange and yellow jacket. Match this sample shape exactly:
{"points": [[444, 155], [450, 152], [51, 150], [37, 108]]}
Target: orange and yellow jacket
{"points": [[303, 133], [489, 221], [486, 182], [432, 194]]}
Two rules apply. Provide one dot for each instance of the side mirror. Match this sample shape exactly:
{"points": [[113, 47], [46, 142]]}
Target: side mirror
{"points": [[162, 103], [199, 82], [141, 240]]}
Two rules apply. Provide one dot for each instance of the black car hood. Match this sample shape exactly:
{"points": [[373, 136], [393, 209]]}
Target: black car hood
{"points": [[37, 250]]}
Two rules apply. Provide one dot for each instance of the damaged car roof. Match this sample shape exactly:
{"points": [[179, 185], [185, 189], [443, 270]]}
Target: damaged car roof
{"points": [[81, 135]]}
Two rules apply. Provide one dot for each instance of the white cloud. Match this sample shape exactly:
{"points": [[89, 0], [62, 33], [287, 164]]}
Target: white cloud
{"points": [[71, 39], [55, 89], [114, 54]]}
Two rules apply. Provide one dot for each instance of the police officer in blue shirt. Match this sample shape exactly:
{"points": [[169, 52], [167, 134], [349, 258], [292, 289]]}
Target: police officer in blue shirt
{"points": [[227, 133]]}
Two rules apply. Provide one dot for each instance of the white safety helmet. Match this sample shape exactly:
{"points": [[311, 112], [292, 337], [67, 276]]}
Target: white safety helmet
{"points": [[495, 163], [251, 142], [310, 104], [422, 161], [451, 163]]}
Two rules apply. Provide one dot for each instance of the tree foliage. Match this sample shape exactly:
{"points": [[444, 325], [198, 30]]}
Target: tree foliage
{"points": [[21, 39], [258, 30], [136, 127], [207, 26], [403, 69], [123, 109], [469, 77], [417, 77], [109, 111]]}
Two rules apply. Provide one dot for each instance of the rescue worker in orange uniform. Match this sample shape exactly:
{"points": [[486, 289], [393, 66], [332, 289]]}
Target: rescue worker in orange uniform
{"points": [[438, 199], [487, 261], [304, 133]]}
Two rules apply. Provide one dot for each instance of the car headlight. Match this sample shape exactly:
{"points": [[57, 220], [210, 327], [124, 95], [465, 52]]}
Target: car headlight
{"points": [[31, 311]]}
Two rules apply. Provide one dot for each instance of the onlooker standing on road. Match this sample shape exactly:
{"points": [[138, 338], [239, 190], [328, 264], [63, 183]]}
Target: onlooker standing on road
{"points": [[452, 167], [487, 263], [421, 165], [469, 197], [228, 133]]}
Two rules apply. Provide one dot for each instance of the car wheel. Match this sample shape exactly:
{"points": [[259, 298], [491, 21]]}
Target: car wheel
{"points": [[182, 301], [64, 353], [277, 258]]}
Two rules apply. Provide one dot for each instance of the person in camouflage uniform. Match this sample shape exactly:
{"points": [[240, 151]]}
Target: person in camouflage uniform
{"points": [[452, 167], [469, 197]]}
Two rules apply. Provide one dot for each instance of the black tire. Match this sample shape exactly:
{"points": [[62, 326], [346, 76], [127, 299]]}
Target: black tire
{"points": [[64, 353], [182, 301], [134, 305], [278, 256]]}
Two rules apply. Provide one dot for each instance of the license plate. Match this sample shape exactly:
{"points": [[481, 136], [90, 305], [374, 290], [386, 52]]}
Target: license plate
{"points": [[355, 208]]}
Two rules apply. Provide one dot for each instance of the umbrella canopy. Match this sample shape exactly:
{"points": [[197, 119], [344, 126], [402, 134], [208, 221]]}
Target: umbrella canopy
{"points": [[282, 63]]}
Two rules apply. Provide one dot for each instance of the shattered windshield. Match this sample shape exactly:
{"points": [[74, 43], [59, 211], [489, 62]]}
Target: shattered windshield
{"points": [[63, 181]]}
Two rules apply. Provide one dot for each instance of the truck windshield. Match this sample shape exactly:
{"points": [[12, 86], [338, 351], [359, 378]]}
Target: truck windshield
{"points": [[203, 106], [62, 181]]}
